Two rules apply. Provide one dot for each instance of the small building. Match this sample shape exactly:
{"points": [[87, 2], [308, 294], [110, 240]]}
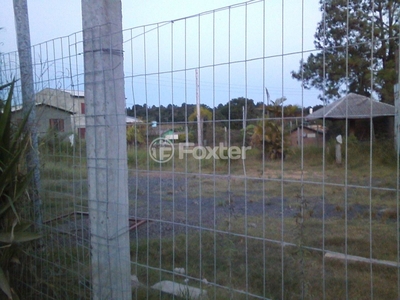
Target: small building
{"points": [[130, 121], [360, 112], [69, 101], [63, 111], [158, 130], [48, 117], [306, 135], [169, 135]]}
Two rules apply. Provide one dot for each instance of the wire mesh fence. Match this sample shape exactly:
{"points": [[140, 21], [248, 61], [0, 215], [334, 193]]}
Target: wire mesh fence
{"points": [[234, 191]]}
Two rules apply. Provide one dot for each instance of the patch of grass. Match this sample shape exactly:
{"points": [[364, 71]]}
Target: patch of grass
{"points": [[49, 280], [312, 155], [248, 263], [64, 167], [63, 188], [226, 253], [221, 203], [150, 294], [242, 255], [390, 214], [139, 157]]}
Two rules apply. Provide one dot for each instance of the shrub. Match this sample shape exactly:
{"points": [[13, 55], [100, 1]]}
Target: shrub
{"points": [[135, 135], [268, 135], [14, 181]]}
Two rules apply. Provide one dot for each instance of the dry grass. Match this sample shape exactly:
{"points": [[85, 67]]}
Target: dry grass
{"points": [[252, 259], [245, 252]]}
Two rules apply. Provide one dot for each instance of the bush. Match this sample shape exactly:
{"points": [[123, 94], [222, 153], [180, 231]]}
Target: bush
{"points": [[57, 142], [135, 134], [14, 182], [268, 136], [181, 138], [358, 152]]}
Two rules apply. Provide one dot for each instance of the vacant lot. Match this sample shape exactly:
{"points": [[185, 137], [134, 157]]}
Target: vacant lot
{"points": [[255, 226]]}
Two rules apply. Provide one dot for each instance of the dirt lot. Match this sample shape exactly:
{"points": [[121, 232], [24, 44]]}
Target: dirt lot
{"points": [[175, 202]]}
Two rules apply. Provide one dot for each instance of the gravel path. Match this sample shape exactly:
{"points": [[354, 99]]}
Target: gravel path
{"points": [[183, 203], [173, 203]]}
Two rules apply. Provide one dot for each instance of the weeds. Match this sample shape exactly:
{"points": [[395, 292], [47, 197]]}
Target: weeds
{"points": [[302, 271], [250, 259]]}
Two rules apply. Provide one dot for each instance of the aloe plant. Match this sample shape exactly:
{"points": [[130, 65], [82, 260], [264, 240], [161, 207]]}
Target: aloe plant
{"points": [[14, 183]]}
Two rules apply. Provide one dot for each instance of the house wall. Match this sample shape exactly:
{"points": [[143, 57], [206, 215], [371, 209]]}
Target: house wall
{"points": [[44, 114], [310, 137], [158, 131], [72, 110], [66, 101], [61, 99], [383, 127]]}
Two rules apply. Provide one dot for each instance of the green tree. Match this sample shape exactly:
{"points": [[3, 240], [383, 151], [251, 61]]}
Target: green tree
{"points": [[233, 111], [344, 42], [204, 114], [135, 134]]}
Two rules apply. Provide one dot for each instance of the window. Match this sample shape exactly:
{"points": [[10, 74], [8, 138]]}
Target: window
{"points": [[82, 108], [57, 124], [82, 133]]}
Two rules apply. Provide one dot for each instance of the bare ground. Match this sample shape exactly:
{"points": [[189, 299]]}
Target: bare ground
{"points": [[176, 203]]}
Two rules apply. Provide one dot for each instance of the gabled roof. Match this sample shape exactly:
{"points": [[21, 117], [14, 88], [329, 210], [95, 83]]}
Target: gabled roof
{"points": [[59, 98], [353, 106], [73, 93], [19, 107], [131, 120]]}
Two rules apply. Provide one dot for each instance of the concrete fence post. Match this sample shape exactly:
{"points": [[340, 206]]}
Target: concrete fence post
{"points": [[28, 99], [338, 149], [106, 149]]}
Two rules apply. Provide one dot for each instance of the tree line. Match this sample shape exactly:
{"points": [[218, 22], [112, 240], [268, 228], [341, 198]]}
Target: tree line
{"points": [[230, 112], [356, 43]]}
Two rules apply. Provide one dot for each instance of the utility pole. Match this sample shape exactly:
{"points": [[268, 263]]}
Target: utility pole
{"points": [[268, 98], [397, 95], [106, 149], [199, 121], [244, 118], [28, 99]]}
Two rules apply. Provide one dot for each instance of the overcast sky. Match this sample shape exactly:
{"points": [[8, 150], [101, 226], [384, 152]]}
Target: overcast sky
{"points": [[289, 28]]}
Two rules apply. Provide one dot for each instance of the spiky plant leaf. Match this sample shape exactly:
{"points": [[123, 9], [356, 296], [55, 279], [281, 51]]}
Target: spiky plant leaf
{"points": [[5, 123], [4, 285], [267, 135], [14, 295], [14, 183], [18, 237]]}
